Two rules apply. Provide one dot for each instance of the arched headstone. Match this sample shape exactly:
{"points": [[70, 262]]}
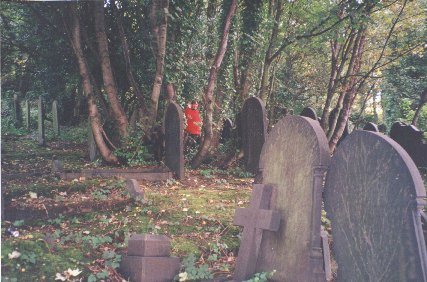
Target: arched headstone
{"points": [[294, 159], [370, 126], [373, 197], [254, 131], [227, 130], [411, 139], [174, 139], [309, 112]]}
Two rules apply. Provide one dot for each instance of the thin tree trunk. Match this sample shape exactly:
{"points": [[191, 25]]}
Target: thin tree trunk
{"points": [[209, 89], [107, 72], [159, 25], [95, 120], [423, 101]]}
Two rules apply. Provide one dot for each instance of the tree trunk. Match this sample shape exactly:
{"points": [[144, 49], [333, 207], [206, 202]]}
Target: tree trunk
{"points": [[423, 101], [209, 89], [95, 120], [159, 24], [107, 73]]}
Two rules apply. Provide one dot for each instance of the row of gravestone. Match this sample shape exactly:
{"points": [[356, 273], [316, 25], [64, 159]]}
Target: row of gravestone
{"points": [[373, 195], [41, 117]]}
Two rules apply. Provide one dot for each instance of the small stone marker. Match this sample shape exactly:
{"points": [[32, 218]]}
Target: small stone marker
{"points": [[370, 126], [55, 117], [93, 149], [133, 188], [41, 136], [174, 139], [57, 166], [227, 131], [411, 139], [27, 114], [309, 112], [374, 195], [295, 158], [254, 131], [17, 111], [148, 259], [255, 219]]}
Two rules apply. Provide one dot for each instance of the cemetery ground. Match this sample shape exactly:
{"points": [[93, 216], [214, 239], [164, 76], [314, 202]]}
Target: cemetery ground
{"points": [[53, 228]]}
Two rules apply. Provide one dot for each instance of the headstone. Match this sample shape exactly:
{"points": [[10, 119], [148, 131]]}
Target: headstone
{"points": [[132, 186], [227, 131], [41, 135], [148, 259], [57, 166], [174, 139], [373, 197], [93, 149], [295, 158], [254, 131], [411, 139], [27, 114], [17, 111], [370, 126], [255, 219], [382, 128], [309, 112], [55, 117]]}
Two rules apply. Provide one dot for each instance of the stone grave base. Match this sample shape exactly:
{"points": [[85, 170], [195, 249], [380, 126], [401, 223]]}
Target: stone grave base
{"points": [[147, 267], [151, 174]]}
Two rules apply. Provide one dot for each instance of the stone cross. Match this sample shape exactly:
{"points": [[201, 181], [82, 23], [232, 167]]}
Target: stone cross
{"points": [[55, 117], [255, 219], [42, 140]]}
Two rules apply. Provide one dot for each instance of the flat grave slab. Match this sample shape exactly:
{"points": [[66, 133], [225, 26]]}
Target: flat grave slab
{"points": [[151, 174]]}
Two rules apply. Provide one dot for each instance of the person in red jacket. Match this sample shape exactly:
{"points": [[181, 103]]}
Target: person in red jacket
{"points": [[194, 122]]}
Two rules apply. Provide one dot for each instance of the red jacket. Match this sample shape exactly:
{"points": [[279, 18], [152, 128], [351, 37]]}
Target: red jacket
{"points": [[193, 121]]}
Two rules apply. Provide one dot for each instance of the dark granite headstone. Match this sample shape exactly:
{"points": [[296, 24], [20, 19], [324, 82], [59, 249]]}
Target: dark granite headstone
{"points": [[174, 139], [27, 114], [41, 129], [17, 111], [255, 219], [254, 131], [227, 131], [93, 149], [309, 112], [411, 139], [370, 126], [373, 197], [148, 259], [55, 117], [295, 158]]}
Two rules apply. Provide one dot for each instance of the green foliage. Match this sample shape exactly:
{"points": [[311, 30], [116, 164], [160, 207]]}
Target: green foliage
{"points": [[193, 272], [261, 277], [134, 151]]}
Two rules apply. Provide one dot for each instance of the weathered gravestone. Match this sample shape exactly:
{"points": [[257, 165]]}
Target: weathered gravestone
{"points": [[17, 111], [174, 139], [309, 112], [255, 219], [294, 158], [41, 129], [148, 259], [132, 186], [227, 130], [411, 139], [254, 131], [27, 114], [55, 117], [370, 126], [373, 196], [93, 149]]}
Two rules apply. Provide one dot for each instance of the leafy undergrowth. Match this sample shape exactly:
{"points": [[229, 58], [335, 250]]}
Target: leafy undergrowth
{"points": [[79, 228]]}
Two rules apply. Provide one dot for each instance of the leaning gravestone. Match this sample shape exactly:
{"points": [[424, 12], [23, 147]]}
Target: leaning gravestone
{"points": [[295, 158], [254, 131], [174, 139], [41, 135], [374, 196], [411, 139], [93, 149], [27, 114], [370, 126], [55, 117], [227, 130], [309, 112]]}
